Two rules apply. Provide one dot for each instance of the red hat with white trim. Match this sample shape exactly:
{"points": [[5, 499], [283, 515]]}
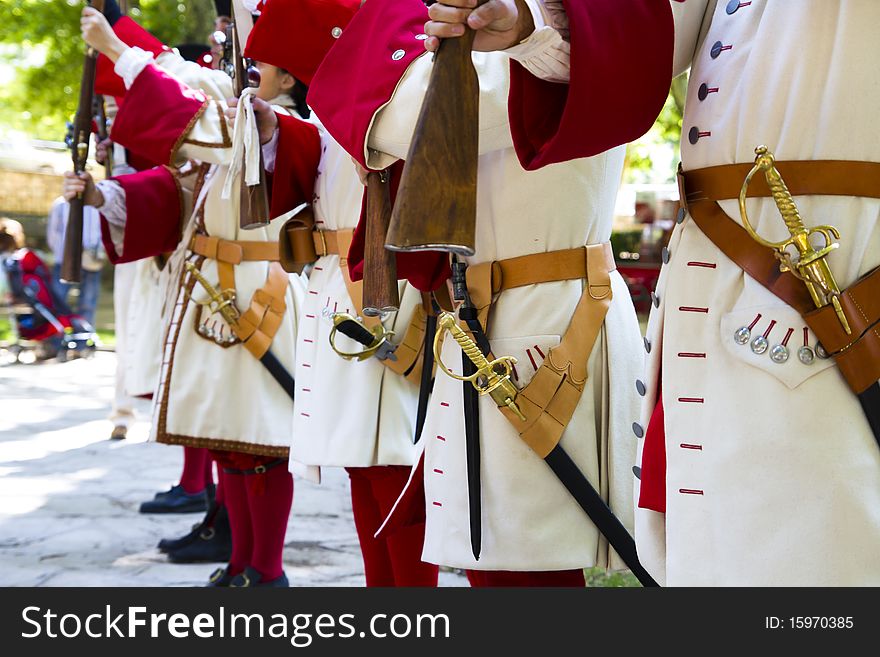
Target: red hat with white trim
{"points": [[296, 34]]}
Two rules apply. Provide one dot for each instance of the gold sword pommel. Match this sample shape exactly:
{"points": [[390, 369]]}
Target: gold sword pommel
{"points": [[218, 302], [805, 261], [491, 378]]}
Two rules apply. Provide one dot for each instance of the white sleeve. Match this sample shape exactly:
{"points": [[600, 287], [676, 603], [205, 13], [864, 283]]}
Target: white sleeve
{"points": [[130, 64], [114, 211], [394, 123], [213, 83], [270, 149], [546, 52]]}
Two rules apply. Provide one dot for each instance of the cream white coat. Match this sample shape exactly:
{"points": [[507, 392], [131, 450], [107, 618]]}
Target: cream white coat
{"points": [[210, 396], [788, 472], [347, 413], [530, 521]]}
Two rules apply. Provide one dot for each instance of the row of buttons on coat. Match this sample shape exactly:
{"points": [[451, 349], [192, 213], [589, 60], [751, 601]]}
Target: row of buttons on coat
{"points": [[695, 133]]}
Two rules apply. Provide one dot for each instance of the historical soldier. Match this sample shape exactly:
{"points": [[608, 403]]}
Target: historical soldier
{"points": [[230, 327], [758, 464], [559, 298], [356, 414]]}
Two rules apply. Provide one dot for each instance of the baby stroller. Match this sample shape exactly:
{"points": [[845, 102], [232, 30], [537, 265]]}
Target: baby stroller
{"points": [[42, 324]]}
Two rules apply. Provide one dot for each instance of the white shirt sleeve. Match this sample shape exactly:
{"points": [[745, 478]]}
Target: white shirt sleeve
{"points": [[113, 211], [130, 64], [270, 148], [546, 53]]}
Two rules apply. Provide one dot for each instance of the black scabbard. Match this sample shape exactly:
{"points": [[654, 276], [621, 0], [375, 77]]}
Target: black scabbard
{"points": [[870, 401], [426, 381], [472, 451], [594, 506], [278, 372], [472, 427]]}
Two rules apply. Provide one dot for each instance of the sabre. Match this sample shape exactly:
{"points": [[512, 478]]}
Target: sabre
{"points": [[491, 378], [811, 265], [224, 304], [376, 341], [504, 392]]}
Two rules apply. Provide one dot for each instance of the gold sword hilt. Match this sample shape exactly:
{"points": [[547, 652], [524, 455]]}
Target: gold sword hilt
{"points": [[811, 265], [218, 302], [381, 338], [491, 378]]}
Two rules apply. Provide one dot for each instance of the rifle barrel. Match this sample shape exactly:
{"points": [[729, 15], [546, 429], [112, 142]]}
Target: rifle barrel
{"points": [[71, 265]]}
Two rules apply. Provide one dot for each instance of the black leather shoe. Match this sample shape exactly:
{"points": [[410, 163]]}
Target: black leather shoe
{"points": [[176, 500], [250, 578], [219, 578], [212, 542], [168, 544]]}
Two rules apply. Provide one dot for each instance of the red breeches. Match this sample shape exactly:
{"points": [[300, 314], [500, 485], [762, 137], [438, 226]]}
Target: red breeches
{"points": [[395, 560]]}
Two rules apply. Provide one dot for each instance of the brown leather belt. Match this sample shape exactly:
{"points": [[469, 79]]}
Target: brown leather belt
{"points": [[232, 251], [549, 400], [564, 265], [857, 355], [258, 324]]}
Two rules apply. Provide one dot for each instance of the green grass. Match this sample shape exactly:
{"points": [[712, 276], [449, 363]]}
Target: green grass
{"points": [[598, 577]]}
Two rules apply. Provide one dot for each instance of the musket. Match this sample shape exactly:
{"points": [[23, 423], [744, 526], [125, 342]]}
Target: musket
{"points": [[380, 291], [102, 123], [71, 265], [254, 200], [436, 204]]}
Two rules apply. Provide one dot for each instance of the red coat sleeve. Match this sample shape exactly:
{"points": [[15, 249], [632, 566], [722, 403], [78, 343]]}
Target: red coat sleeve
{"points": [[357, 77], [107, 82], [154, 216], [159, 110], [296, 164], [621, 67]]}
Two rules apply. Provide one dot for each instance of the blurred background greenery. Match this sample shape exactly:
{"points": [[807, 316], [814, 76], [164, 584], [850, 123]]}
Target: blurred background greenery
{"points": [[41, 55]]}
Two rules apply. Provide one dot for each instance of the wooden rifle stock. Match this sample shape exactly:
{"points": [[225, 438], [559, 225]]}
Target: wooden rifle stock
{"points": [[71, 264], [436, 204], [254, 200], [381, 294]]}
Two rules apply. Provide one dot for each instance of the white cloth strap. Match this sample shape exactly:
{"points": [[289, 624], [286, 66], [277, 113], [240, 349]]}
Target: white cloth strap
{"points": [[245, 144]]}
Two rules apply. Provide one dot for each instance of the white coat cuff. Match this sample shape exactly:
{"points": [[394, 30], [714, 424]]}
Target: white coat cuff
{"points": [[113, 211], [130, 64], [545, 53]]}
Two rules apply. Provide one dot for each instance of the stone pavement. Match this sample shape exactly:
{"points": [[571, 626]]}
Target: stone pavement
{"points": [[69, 497]]}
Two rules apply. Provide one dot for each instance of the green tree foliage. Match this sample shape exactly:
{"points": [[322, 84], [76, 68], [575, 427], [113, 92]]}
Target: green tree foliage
{"points": [[41, 40]]}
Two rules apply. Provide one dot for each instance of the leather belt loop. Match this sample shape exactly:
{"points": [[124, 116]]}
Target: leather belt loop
{"points": [[598, 278]]}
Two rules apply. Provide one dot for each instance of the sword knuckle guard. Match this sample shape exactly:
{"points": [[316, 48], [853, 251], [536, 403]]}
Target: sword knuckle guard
{"points": [[807, 264], [491, 378]]}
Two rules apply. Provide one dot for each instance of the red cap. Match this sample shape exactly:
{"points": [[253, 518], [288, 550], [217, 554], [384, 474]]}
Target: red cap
{"points": [[296, 34]]}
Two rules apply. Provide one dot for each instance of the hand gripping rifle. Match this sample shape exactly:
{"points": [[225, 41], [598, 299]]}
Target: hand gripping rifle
{"points": [[436, 205], [254, 200], [71, 265]]}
